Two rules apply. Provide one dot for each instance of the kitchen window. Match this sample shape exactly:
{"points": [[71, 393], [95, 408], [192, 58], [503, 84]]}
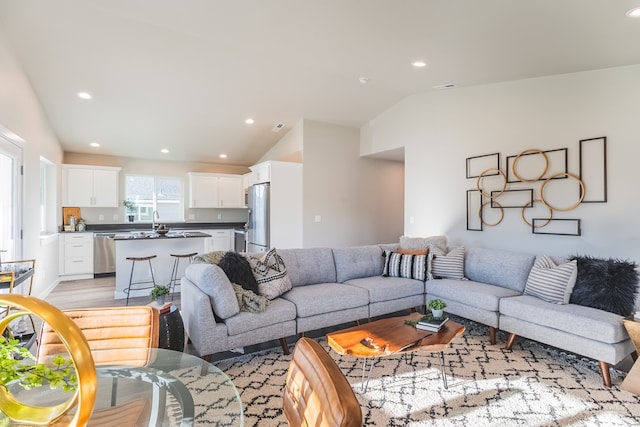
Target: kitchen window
{"points": [[155, 193]]}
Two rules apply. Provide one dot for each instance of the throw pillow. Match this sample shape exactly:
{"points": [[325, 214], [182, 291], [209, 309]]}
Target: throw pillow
{"points": [[405, 265], [448, 265], [551, 282], [407, 242], [606, 284], [270, 274], [238, 270]]}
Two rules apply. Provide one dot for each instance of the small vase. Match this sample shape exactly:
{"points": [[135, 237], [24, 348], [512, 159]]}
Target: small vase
{"points": [[160, 300], [437, 314], [131, 217]]}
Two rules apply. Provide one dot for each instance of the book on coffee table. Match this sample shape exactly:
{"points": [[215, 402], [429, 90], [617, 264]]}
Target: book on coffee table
{"points": [[429, 323]]}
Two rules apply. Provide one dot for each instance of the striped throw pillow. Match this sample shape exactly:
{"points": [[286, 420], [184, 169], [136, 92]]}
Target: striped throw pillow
{"points": [[552, 282], [448, 265], [405, 265]]}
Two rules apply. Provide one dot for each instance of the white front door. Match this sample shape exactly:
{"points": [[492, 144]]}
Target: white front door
{"points": [[10, 200]]}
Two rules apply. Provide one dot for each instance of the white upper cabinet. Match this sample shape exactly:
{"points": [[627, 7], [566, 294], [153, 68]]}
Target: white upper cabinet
{"points": [[90, 186], [261, 172], [207, 190]]}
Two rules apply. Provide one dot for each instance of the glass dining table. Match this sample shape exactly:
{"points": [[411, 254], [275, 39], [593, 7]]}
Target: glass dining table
{"points": [[172, 389]]}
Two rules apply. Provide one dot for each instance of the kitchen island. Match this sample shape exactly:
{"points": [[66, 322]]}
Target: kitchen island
{"points": [[141, 244]]}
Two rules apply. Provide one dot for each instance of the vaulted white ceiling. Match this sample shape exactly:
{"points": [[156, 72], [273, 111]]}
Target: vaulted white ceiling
{"points": [[184, 75]]}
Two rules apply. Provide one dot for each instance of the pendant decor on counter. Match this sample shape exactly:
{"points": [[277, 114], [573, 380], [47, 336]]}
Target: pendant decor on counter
{"points": [[76, 345]]}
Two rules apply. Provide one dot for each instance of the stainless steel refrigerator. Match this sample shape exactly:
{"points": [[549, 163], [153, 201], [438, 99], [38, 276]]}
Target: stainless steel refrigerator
{"points": [[258, 231]]}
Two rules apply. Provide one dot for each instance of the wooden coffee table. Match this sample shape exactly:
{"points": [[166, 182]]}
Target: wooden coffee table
{"points": [[393, 336]]}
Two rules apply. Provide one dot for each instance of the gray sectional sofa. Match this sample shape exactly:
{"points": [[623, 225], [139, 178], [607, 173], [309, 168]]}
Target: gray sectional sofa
{"points": [[336, 286]]}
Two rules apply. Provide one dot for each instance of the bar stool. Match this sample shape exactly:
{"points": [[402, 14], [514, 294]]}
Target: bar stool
{"points": [[174, 271], [131, 282]]}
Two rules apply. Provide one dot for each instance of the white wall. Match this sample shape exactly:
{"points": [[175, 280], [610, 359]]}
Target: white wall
{"points": [[21, 112], [359, 200], [439, 130]]}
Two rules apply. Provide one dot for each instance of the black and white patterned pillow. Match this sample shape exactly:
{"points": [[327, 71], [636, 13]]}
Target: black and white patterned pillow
{"points": [[405, 265], [552, 282], [271, 274], [447, 265]]}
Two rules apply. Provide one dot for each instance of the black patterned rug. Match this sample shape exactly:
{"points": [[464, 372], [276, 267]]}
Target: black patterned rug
{"points": [[530, 385]]}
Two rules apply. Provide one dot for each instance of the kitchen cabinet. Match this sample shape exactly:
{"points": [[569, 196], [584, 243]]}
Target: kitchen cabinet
{"points": [[215, 191], [76, 255], [90, 186], [220, 240], [261, 172]]}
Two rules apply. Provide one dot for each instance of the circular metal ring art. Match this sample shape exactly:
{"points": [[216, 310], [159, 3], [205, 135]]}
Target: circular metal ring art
{"points": [[483, 174], [569, 175], [78, 349], [501, 214], [530, 224], [532, 150]]}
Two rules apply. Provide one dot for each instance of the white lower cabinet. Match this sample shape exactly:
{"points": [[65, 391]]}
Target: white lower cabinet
{"points": [[220, 240], [76, 255]]}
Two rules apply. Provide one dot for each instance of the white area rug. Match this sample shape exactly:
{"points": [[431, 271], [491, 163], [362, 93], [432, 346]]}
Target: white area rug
{"points": [[488, 386]]}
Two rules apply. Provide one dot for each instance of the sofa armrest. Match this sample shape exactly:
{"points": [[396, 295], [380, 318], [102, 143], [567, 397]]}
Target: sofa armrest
{"points": [[206, 335]]}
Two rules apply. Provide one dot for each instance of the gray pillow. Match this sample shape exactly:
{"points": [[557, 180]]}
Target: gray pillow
{"points": [[214, 282], [439, 242]]}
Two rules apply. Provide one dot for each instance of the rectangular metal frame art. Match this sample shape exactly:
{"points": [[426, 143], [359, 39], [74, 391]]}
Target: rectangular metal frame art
{"points": [[512, 179], [483, 163], [504, 196], [592, 184], [539, 230], [474, 219]]}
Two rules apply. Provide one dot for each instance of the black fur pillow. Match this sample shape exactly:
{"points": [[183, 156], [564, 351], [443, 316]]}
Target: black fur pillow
{"points": [[607, 284], [238, 270]]}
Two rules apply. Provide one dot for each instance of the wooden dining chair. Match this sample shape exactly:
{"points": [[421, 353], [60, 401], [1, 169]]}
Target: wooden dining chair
{"points": [[116, 335], [316, 392]]}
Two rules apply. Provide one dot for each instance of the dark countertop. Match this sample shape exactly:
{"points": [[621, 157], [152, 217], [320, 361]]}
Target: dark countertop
{"points": [[146, 235], [173, 226]]}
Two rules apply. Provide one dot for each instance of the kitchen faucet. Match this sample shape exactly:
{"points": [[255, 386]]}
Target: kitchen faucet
{"points": [[156, 217]]}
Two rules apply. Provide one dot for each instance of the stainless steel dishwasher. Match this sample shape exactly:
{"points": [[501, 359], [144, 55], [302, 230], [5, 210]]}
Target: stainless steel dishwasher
{"points": [[104, 254]]}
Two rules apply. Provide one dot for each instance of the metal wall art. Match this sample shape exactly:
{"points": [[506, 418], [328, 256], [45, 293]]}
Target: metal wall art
{"points": [[531, 173]]}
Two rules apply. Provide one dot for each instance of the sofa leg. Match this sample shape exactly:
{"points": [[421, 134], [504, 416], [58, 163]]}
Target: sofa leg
{"points": [[510, 341], [492, 335], [606, 373], [413, 309], [285, 347], [208, 357], [634, 356]]}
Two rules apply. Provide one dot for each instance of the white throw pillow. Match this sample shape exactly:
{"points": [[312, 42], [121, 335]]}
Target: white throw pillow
{"points": [[271, 274], [448, 265], [552, 282]]}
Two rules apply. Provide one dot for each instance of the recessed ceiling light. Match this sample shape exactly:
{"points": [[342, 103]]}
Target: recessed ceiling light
{"points": [[364, 80], [164, 151], [249, 121], [419, 64], [84, 95], [634, 13], [223, 156], [94, 144]]}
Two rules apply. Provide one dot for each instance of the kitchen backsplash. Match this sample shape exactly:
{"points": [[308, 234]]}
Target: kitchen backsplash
{"points": [[117, 215]]}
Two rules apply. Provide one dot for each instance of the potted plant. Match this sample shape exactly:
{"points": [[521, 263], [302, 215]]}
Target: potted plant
{"points": [[437, 307], [158, 293], [130, 208]]}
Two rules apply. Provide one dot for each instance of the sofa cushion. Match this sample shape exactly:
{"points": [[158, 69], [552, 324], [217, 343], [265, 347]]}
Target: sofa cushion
{"points": [[309, 266], [497, 267], [214, 282], [271, 274], [359, 261], [278, 310], [326, 298], [409, 266], [583, 321], [467, 292], [607, 284], [550, 281], [448, 265], [439, 242], [382, 288]]}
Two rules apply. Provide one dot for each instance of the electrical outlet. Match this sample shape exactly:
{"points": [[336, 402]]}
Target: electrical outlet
{"points": [[101, 217], [192, 216], [115, 217], [318, 218], [219, 216]]}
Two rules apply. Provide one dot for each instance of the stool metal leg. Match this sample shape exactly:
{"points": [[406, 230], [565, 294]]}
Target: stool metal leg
{"points": [[174, 276], [133, 264], [153, 279]]}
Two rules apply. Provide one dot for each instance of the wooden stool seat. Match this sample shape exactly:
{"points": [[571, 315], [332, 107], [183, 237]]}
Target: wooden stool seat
{"points": [[185, 255], [142, 258]]}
